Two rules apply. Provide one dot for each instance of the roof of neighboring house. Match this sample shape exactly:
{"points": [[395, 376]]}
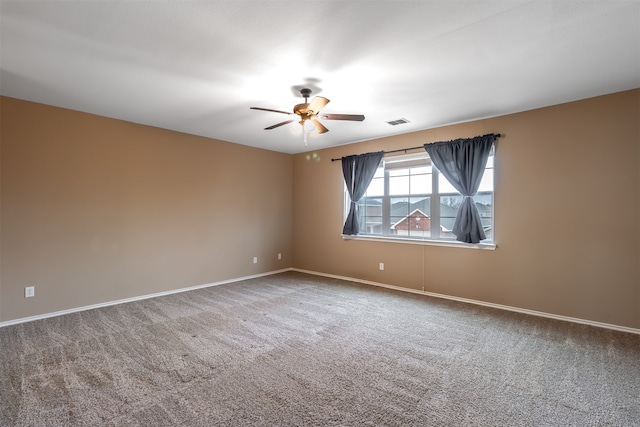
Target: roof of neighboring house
{"points": [[403, 209], [412, 214]]}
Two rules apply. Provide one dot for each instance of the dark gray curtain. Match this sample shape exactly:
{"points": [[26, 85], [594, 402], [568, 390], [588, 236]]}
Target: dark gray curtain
{"points": [[462, 162], [358, 172]]}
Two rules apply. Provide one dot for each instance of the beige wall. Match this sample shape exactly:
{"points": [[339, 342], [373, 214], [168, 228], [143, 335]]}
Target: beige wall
{"points": [[96, 210], [567, 215]]}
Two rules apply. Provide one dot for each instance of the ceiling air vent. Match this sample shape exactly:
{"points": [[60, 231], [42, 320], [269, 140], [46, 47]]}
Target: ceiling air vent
{"points": [[398, 122]]}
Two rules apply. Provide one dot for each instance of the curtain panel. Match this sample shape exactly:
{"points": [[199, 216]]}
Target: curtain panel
{"points": [[358, 171], [462, 162]]}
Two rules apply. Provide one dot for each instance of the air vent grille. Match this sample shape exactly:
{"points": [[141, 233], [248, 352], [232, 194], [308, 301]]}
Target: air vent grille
{"points": [[398, 122]]}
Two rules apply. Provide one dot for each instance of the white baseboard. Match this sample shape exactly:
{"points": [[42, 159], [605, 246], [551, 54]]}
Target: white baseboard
{"points": [[138, 298], [334, 276], [482, 303]]}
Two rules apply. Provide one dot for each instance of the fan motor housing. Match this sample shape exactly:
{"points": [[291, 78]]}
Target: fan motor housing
{"points": [[302, 110]]}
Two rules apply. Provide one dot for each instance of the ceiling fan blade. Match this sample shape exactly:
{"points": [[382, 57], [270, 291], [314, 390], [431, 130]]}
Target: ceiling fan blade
{"points": [[352, 117], [319, 126], [317, 104], [278, 125], [269, 109]]}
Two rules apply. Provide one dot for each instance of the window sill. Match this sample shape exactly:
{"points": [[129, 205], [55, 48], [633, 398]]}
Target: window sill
{"points": [[445, 243]]}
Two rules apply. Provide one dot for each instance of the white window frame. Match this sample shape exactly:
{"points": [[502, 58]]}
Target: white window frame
{"points": [[408, 159]]}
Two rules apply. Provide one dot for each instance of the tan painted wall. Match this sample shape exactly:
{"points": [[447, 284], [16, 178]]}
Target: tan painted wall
{"points": [[567, 215], [96, 210]]}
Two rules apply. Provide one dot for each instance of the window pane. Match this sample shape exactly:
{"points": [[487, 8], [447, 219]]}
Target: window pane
{"points": [[399, 206], [484, 203], [421, 170], [419, 221], [484, 198], [398, 172], [449, 206], [489, 162], [444, 185], [376, 187], [486, 184], [399, 209], [420, 184], [398, 185], [487, 181], [370, 215], [409, 217], [421, 203]]}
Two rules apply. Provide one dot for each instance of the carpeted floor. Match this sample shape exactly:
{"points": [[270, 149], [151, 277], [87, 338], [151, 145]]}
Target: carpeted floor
{"points": [[298, 350]]}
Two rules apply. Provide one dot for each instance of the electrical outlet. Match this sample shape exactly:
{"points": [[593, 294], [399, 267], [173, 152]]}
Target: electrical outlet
{"points": [[381, 266], [279, 256], [29, 291], [255, 259]]}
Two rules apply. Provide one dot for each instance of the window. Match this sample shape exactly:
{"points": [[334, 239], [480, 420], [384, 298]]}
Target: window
{"points": [[408, 198]]}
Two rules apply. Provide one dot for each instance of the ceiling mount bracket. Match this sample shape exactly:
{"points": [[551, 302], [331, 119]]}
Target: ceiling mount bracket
{"points": [[306, 93]]}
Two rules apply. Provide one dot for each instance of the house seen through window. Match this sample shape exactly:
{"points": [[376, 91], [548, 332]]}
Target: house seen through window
{"points": [[409, 198]]}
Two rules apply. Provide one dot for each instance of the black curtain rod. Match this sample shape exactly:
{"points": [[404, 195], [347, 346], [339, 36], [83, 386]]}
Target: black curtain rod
{"points": [[497, 135]]}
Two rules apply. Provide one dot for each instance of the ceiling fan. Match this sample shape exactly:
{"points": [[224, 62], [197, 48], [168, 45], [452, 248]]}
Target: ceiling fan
{"points": [[308, 113]]}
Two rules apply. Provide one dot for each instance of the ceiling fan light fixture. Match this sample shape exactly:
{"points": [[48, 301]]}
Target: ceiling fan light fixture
{"points": [[308, 113], [307, 125]]}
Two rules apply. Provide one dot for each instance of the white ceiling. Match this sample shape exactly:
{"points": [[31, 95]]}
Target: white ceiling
{"points": [[197, 66]]}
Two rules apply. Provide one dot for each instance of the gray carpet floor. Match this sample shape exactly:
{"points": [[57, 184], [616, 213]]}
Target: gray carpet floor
{"points": [[298, 350]]}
